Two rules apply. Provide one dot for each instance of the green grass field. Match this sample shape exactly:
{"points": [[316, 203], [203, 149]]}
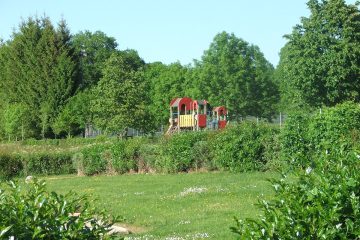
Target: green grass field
{"points": [[179, 206]]}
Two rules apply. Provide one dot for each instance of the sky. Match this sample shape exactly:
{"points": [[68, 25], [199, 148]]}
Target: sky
{"points": [[167, 30]]}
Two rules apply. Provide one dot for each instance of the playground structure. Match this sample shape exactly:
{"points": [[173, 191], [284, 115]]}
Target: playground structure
{"points": [[188, 114]]}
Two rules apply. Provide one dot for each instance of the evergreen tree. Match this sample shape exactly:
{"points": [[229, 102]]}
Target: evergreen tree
{"points": [[39, 71]]}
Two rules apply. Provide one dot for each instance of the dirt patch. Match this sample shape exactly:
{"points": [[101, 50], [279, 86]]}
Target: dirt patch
{"points": [[132, 228]]}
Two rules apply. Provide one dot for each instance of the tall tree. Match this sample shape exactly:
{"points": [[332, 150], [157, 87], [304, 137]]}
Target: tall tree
{"points": [[236, 74], [39, 70], [120, 101], [166, 82], [92, 49], [320, 64]]}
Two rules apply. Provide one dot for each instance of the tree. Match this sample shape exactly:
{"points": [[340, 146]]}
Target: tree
{"points": [[92, 49], [236, 74], [120, 102], [38, 70], [15, 121], [320, 64], [165, 83], [75, 115]]}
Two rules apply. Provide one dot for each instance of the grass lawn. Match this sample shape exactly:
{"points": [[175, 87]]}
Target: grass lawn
{"points": [[179, 206]]}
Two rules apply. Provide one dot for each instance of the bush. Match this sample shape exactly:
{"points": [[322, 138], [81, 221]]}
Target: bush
{"points": [[93, 160], [13, 165], [149, 155], [241, 148], [334, 123], [10, 165], [30, 212], [294, 139], [118, 157], [177, 151], [305, 136], [322, 203], [48, 163]]}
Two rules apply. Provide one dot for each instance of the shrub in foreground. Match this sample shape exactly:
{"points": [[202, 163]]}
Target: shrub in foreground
{"points": [[30, 212], [322, 202]]}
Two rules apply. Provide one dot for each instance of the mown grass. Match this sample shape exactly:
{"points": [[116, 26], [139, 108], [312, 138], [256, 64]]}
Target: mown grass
{"points": [[179, 206]]}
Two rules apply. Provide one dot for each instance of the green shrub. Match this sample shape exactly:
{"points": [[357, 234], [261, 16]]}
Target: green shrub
{"points": [[30, 212], [149, 155], [93, 160], [10, 165], [241, 148], [201, 154], [119, 161], [305, 136], [48, 163], [294, 139], [326, 128], [321, 203], [177, 151]]}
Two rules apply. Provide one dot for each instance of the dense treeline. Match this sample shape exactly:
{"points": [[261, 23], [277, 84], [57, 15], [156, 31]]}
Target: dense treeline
{"points": [[53, 84]]}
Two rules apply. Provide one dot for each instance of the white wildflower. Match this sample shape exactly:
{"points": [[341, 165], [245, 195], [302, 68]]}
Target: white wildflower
{"points": [[338, 225], [29, 179], [263, 231], [190, 190], [308, 170]]}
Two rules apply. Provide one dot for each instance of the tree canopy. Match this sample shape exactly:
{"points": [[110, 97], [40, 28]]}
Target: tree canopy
{"points": [[320, 64], [236, 74], [38, 70]]}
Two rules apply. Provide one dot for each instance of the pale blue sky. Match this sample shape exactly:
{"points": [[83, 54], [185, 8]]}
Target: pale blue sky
{"points": [[165, 30]]}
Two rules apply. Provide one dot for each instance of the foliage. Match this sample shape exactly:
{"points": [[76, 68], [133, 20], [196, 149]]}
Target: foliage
{"points": [[38, 71], [294, 139], [321, 203], [93, 50], [48, 163], [75, 115], [241, 148], [11, 165], [43, 163], [93, 162], [122, 103], [306, 135], [15, 121], [166, 83], [118, 157], [332, 124], [320, 63], [177, 152], [30, 212], [235, 74]]}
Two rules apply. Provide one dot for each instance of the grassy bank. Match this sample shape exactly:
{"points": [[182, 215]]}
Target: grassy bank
{"points": [[179, 206]]}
